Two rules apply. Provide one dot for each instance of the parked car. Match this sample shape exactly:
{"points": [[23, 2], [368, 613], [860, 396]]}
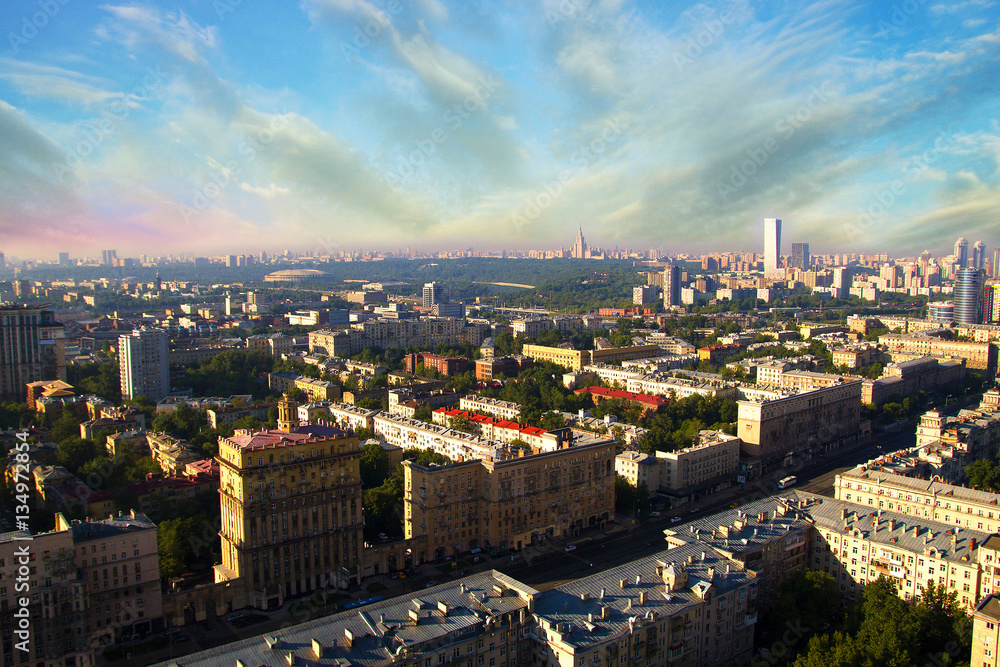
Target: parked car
{"points": [[571, 547], [654, 514], [675, 519]]}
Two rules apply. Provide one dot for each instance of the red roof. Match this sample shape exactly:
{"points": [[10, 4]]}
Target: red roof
{"points": [[658, 401]]}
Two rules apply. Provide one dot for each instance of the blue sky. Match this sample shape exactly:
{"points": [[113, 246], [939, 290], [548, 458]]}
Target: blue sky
{"points": [[325, 125]]}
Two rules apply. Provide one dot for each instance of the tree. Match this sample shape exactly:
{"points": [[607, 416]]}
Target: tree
{"points": [[424, 413], [552, 420], [374, 464], [462, 423], [73, 453], [983, 474]]}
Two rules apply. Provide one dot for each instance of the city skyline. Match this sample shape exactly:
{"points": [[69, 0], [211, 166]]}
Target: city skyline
{"points": [[155, 126]]}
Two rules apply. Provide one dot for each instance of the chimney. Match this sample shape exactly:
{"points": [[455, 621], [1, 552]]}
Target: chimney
{"points": [[623, 583], [414, 616], [317, 649], [604, 592], [584, 597], [443, 607], [348, 637], [290, 658], [642, 597], [605, 613]]}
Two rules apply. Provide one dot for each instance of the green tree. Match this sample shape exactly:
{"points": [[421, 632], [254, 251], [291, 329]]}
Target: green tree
{"points": [[375, 467], [424, 413], [462, 423], [73, 453]]}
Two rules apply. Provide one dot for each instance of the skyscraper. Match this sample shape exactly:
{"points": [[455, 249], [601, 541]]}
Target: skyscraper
{"points": [[142, 361], [64, 259], [32, 348], [800, 256], [671, 286], [772, 248], [108, 257], [968, 296], [579, 250], [291, 509], [979, 256], [962, 252], [433, 294]]}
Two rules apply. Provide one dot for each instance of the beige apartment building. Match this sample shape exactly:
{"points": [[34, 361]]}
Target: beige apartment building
{"points": [[637, 469], [856, 356], [978, 356], [986, 632], [571, 359], [715, 458], [490, 406], [58, 601], [120, 563], [510, 501], [933, 501], [291, 509], [807, 422]]}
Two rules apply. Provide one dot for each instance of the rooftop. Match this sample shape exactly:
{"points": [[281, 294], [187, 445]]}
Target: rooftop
{"points": [[271, 439]]}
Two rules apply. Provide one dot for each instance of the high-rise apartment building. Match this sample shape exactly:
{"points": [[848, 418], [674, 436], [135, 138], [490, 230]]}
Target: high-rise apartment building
{"points": [[671, 286], [32, 348], [142, 360], [968, 296], [800, 256], [291, 509], [64, 259], [979, 256], [433, 294], [108, 257], [772, 248], [961, 252]]}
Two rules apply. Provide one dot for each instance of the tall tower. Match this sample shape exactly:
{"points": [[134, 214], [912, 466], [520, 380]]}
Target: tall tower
{"points": [[579, 250], [979, 256], [288, 414], [32, 348], [433, 294], [671, 286], [143, 364], [772, 248], [968, 296], [962, 252], [291, 512], [800, 256]]}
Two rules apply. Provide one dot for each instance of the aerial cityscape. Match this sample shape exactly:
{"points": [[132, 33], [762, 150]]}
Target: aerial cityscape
{"points": [[560, 333]]}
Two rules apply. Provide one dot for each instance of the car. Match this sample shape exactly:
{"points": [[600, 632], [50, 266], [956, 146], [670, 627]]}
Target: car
{"points": [[695, 509], [383, 537], [734, 505], [235, 617], [654, 513], [571, 547], [675, 519], [393, 576], [181, 637], [432, 583]]}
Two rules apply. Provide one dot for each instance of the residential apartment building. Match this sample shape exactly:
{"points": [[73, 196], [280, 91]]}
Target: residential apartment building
{"points": [[143, 364], [512, 498], [646, 402], [171, 454], [805, 423], [32, 349], [569, 358], [384, 333], [639, 469], [496, 367], [611, 355], [986, 632], [712, 462], [58, 597], [291, 509], [857, 356], [490, 406], [351, 417], [479, 620], [688, 606], [443, 365], [680, 388], [119, 562], [978, 356]]}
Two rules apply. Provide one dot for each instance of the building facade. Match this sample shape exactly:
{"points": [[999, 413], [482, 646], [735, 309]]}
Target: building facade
{"points": [[291, 509], [142, 359], [32, 349]]}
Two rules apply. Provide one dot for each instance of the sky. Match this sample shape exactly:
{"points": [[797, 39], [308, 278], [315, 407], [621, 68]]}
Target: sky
{"points": [[337, 125]]}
